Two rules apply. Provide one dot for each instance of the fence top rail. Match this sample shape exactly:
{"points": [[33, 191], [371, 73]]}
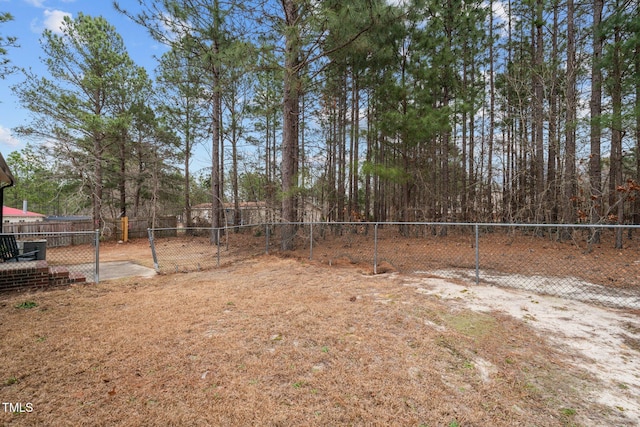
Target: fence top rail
{"points": [[441, 224], [54, 233], [506, 224], [492, 224], [467, 224], [208, 228]]}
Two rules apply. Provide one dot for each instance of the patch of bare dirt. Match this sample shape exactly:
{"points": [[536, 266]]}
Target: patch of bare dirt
{"points": [[283, 341], [137, 250]]}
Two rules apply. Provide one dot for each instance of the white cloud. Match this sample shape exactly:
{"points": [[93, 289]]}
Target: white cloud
{"points": [[501, 16], [500, 11], [6, 138], [53, 20]]}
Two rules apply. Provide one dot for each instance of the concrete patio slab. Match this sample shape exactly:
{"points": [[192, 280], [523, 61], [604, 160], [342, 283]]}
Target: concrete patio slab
{"points": [[119, 269]]}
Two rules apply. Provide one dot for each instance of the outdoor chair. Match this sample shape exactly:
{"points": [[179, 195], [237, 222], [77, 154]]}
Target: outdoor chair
{"points": [[10, 252]]}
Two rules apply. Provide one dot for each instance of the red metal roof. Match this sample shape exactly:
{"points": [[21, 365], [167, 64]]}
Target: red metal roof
{"points": [[7, 211]]}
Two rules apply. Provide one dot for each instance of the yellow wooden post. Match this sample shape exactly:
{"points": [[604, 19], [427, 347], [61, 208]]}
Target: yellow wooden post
{"points": [[125, 228]]}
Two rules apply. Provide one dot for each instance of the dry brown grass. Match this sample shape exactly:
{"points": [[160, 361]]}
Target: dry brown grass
{"points": [[273, 341]]}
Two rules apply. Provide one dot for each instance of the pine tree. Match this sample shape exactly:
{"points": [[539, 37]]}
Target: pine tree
{"points": [[75, 108]]}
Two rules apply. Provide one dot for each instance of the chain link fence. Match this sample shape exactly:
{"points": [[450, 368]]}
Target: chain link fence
{"points": [[70, 257], [578, 261], [176, 250]]}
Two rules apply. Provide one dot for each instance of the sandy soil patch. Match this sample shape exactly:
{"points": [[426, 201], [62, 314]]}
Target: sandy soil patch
{"points": [[604, 341]]}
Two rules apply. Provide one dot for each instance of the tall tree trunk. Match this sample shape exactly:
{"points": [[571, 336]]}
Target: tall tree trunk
{"points": [[237, 218], [616, 199], [97, 184], [492, 118], [510, 197], [122, 178], [291, 106], [595, 107], [142, 161], [464, 207], [445, 193], [187, 175], [552, 157], [354, 203], [471, 157], [331, 162], [216, 205], [216, 114], [446, 185], [223, 215], [569, 214], [538, 112], [342, 148], [369, 156]]}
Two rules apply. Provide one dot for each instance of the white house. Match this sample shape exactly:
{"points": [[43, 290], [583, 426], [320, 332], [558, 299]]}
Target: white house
{"points": [[18, 215]]}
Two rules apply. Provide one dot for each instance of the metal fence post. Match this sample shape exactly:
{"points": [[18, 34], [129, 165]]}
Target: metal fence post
{"points": [[218, 238], [477, 254], [375, 248], [311, 241], [97, 270], [267, 229], [152, 243]]}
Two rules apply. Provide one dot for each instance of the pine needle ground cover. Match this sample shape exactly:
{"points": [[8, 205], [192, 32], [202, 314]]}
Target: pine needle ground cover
{"points": [[280, 341]]}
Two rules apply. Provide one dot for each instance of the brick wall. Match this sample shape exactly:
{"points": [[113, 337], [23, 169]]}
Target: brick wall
{"points": [[35, 275]]}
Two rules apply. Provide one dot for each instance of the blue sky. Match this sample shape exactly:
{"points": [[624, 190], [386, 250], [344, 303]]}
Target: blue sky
{"points": [[31, 17]]}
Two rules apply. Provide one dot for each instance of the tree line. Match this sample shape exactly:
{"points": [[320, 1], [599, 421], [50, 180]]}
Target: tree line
{"points": [[409, 110]]}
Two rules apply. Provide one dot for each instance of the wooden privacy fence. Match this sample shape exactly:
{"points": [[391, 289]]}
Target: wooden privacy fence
{"points": [[56, 232]]}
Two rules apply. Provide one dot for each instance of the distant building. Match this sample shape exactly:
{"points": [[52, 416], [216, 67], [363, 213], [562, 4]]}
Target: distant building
{"points": [[250, 213], [13, 215]]}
